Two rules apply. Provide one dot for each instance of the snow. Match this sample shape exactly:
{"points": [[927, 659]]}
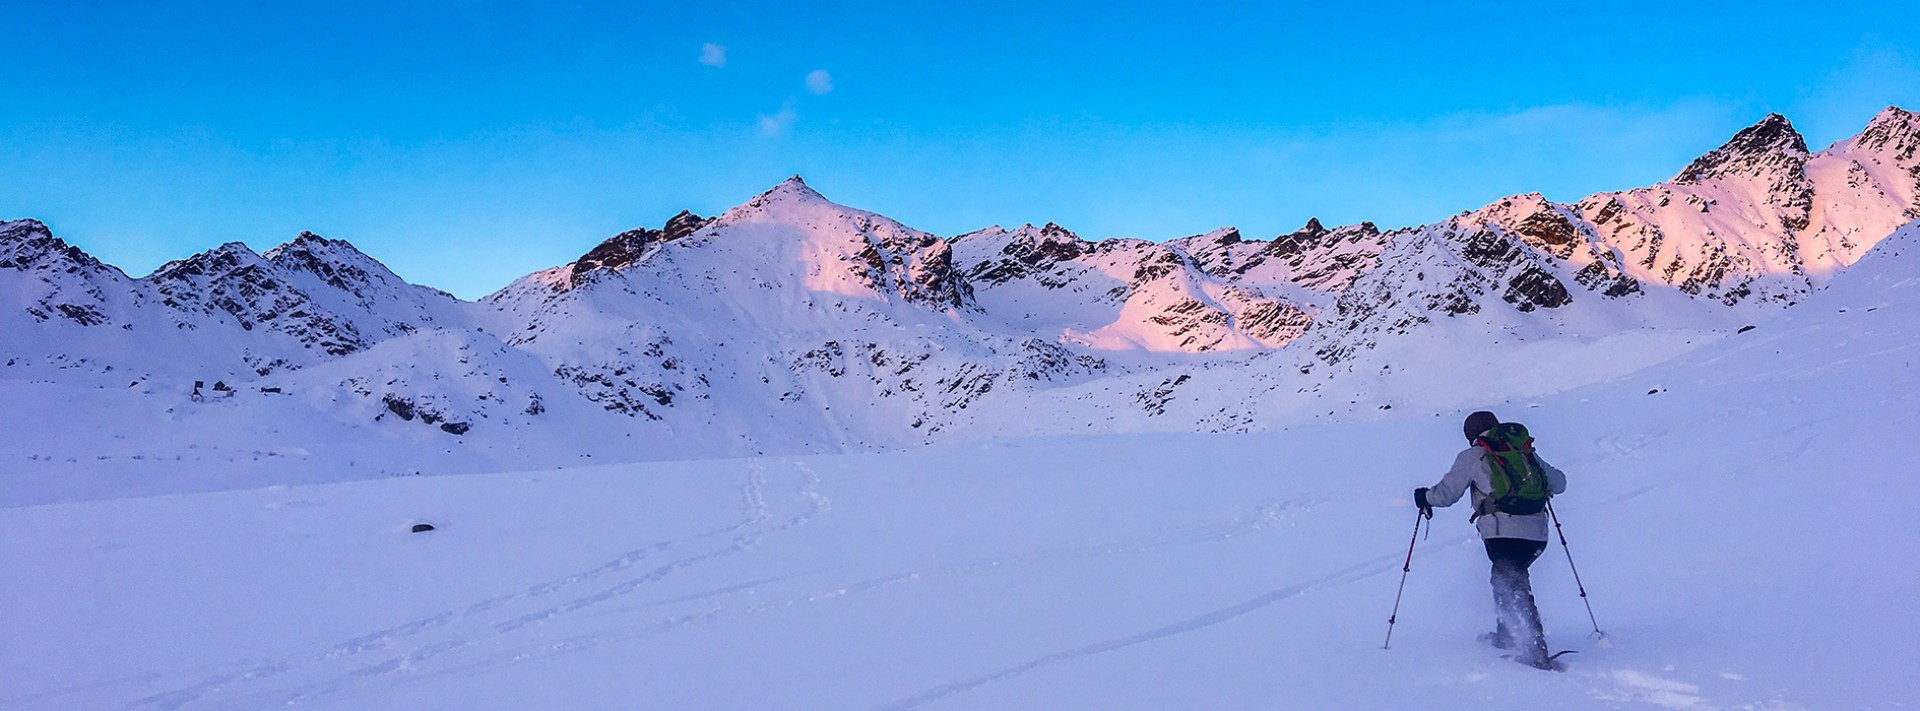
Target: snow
{"points": [[1743, 533]]}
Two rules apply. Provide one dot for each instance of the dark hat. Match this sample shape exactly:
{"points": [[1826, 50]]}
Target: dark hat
{"points": [[1478, 423]]}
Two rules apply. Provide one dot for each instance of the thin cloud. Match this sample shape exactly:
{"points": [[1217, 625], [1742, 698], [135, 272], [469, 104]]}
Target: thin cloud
{"points": [[713, 55], [819, 81], [778, 123]]}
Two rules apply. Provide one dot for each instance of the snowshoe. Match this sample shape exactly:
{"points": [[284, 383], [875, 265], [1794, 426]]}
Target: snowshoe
{"points": [[1550, 663], [1496, 639]]}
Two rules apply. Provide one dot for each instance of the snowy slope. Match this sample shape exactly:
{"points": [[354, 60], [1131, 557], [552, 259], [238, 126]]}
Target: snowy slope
{"points": [[1738, 514], [795, 325]]}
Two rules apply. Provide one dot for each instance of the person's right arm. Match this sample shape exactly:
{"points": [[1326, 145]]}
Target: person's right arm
{"points": [[1457, 480]]}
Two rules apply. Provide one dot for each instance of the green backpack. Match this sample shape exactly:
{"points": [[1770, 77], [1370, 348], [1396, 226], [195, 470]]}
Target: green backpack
{"points": [[1519, 482]]}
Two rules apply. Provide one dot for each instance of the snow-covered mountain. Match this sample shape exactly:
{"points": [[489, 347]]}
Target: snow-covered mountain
{"points": [[791, 324], [223, 312]]}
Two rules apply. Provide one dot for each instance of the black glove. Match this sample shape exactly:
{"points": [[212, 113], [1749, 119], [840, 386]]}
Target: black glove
{"points": [[1420, 500]]}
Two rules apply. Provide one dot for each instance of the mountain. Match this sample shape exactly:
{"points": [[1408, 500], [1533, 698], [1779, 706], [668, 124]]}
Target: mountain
{"points": [[227, 312], [793, 324]]}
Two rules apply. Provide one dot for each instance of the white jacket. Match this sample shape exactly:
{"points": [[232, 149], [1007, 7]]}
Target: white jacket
{"points": [[1470, 473]]}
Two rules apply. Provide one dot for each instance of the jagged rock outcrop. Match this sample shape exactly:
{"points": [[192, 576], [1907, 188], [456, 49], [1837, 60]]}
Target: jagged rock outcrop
{"points": [[1312, 257], [1026, 253], [628, 247], [324, 294], [61, 281], [1770, 147]]}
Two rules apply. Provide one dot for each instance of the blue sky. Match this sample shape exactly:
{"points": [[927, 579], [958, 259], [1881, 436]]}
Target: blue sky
{"points": [[466, 143]]}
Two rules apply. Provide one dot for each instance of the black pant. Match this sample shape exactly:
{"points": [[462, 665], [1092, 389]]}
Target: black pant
{"points": [[1517, 618]]}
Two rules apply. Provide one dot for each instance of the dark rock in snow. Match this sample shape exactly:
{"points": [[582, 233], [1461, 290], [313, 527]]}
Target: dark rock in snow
{"points": [[628, 247], [399, 406]]}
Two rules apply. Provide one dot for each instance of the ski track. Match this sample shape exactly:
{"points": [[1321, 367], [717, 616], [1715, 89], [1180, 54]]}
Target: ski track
{"points": [[1202, 621], [1361, 571], [754, 510], [355, 680], [1262, 515], [359, 679]]}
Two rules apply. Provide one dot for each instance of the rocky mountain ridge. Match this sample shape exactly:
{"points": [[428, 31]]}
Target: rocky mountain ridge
{"points": [[791, 323]]}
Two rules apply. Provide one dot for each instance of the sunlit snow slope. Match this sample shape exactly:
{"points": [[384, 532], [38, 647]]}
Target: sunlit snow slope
{"points": [[1741, 516]]}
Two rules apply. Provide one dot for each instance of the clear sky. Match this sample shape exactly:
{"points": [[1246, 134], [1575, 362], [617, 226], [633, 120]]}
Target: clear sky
{"points": [[466, 143]]}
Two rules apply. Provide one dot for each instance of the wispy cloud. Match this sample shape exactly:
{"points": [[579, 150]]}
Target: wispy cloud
{"points": [[819, 81], [777, 123], [713, 55]]}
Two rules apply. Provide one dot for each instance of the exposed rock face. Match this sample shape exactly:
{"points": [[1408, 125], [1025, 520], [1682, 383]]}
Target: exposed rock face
{"points": [[1027, 253], [628, 247], [231, 279], [323, 293], [335, 263], [66, 284], [28, 245], [915, 265], [1891, 142], [1313, 257], [1771, 146], [1272, 322]]}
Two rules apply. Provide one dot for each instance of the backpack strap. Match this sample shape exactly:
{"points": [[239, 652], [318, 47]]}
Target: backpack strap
{"points": [[1494, 466]]}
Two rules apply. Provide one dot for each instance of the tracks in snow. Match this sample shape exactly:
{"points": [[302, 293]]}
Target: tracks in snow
{"points": [[498, 621], [1202, 621], [499, 630]]}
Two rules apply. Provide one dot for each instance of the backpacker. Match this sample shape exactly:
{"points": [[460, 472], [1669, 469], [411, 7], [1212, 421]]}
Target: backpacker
{"points": [[1519, 482]]}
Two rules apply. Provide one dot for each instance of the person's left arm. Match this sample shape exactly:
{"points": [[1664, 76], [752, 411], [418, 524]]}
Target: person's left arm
{"points": [[1556, 479]]}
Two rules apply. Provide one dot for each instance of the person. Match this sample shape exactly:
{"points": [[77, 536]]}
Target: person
{"points": [[1512, 541]]}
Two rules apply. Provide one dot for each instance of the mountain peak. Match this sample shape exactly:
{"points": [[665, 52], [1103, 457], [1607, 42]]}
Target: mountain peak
{"points": [[1225, 235], [1308, 233], [795, 187], [223, 259], [1893, 128], [1770, 142], [1894, 115], [320, 247], [27, 242], [792, 192], [335, 261], [23, 229]]}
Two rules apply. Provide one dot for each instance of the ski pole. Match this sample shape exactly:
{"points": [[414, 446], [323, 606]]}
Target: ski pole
{"points": [[1576, 572], [1404, 569]]}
